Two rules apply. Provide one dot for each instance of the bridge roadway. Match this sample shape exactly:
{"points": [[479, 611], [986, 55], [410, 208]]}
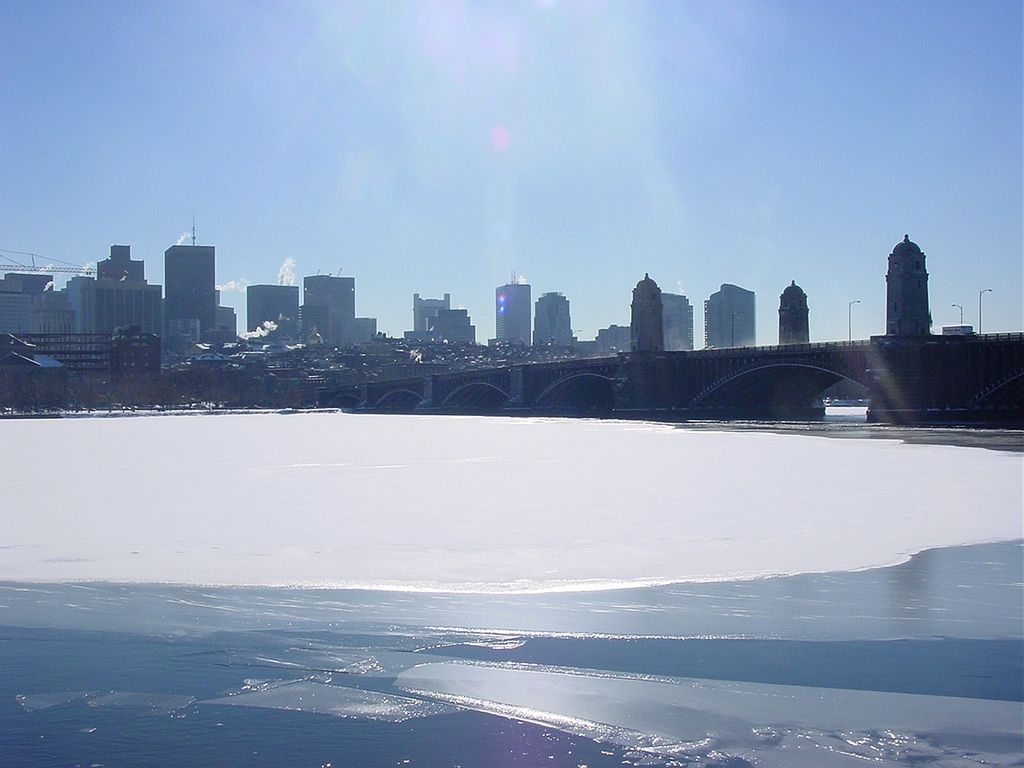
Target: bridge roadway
{"points": [[909, 380]]}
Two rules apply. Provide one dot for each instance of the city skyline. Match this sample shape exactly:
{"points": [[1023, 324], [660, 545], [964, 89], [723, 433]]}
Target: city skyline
{"points": [[432, 149]]}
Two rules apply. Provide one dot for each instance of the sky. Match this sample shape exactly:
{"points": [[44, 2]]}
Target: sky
{"points": [[438, 147]]}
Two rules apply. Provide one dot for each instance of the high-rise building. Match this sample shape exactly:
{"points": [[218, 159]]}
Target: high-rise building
{"points": [[119, 296], [190, 291], [424, 310], [453, 326], [273, 307], [551, 321], [512, 310], [328, 307], [677, 321], [729, 318], [120, 266], [29, 305], [793, 326], [906, 288]]}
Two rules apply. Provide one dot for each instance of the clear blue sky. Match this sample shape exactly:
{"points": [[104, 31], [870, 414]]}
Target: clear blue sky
{"points": [[432, 147]]}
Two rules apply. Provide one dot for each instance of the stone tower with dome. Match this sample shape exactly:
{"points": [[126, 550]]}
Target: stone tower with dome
{"points": [[646, 331], [793, 326], [906, 301]]}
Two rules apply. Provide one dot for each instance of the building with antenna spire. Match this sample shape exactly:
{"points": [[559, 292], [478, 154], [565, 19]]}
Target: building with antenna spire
{"points": [[190, 292]]}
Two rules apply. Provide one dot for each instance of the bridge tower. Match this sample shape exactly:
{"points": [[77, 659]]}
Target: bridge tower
{"points": [[906, 304], [793, 327], [646, 331]]}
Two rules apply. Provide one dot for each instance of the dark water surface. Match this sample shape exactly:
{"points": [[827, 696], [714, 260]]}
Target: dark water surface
{"points": [[101, 674]]}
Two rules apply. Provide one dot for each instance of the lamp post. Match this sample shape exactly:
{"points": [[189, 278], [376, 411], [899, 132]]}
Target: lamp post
{"points": [[980, 294], [961, 313], [849, 319]]}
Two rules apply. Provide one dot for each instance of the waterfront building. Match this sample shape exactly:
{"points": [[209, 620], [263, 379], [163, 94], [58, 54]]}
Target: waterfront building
{"points": [[793, 312], [906, 287], [190, 292], [276, 304], [552, 322], [512, 309], [676, 321], [729, 318], [119, 296], [646, 330]]}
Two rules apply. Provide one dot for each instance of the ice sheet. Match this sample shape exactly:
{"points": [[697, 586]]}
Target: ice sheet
{"points": [[310, 696], [707, 722], [475, 503]]}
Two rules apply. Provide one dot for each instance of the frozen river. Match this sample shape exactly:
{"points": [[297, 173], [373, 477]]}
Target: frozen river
{"points": [[563, 593], [448, 503]]}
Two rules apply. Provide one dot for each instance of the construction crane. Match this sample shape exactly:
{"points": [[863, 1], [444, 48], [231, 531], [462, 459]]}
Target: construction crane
{"points": [[7, 264]]}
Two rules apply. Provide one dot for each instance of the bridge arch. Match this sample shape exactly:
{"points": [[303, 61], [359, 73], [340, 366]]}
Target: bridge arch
{"points": [[1007, 389], [399, 400], [771, 389], [579, 392], [476, 396]]}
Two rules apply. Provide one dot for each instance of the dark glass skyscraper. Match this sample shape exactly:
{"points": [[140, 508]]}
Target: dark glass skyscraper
{"points": [[190, 291]]}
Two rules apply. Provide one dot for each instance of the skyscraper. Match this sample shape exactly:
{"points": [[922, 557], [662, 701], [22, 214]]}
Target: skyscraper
{"points": [[328, 307], [276, 304], [552, 323], [645, 330], [677, 321], [118, 297], [190, 292], [729, 318], [793, 326], [512, 309], [452, 325], [906, 289], [423, 310]]}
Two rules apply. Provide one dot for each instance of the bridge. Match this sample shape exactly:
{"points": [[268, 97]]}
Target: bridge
{"points": [[909, 380]]}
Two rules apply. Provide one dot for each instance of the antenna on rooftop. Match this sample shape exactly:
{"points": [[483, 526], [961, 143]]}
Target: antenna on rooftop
{"points": [[193, 229]]}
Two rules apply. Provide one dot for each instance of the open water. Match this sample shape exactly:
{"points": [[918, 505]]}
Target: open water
{"points": [[914, 664]]}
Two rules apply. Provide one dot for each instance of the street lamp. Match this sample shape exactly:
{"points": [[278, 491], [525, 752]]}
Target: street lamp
{"points": [[980, 294], [849, 318], [961, 313]]}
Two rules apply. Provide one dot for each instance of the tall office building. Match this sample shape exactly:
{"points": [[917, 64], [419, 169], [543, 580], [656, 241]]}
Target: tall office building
{"points": [[729, 319], [276, 304], [328, 307], [677, 321], [646, 332], [906, 292], [793, 312], [551, 321], [190, 292], [512, 310], [424, 310], [453, 326], [119, 296], [28, 305]]}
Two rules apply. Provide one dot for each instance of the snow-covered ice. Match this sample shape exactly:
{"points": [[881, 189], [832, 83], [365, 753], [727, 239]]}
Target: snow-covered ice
{"points": [[474, 503]]}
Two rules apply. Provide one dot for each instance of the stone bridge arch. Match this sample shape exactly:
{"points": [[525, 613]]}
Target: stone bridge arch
{"points": [[585, 392], [399, 400], [772, 389], [476, 397], [1007, 389]]}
